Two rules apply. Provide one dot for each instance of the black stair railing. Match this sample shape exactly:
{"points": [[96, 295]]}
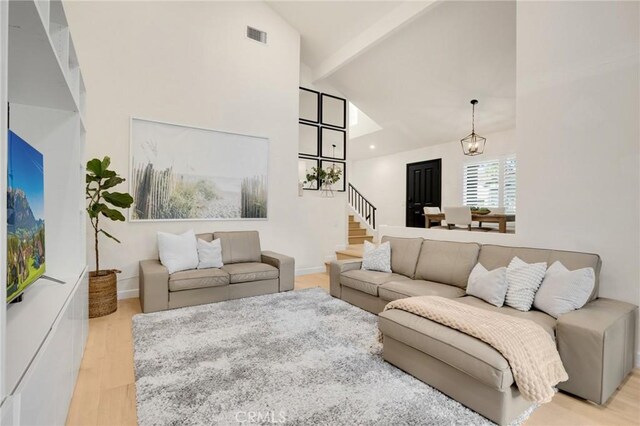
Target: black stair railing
{"points": [[362, 206]]}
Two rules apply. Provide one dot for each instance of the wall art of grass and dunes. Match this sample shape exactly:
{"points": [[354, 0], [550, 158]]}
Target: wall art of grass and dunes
{"points": [[187, 173], [25, 216]]}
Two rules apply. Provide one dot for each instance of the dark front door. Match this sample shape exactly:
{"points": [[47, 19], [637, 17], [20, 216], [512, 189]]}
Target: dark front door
{"points": [[423, 190]]}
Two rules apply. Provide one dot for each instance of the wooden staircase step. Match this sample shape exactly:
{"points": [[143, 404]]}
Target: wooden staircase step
{"points": [[354, 225], [353, 251], [360, 239], [342, 256], [353, 232]]}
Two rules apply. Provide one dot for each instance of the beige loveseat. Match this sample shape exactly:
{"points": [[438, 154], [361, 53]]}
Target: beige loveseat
{"points": [[247, 271], [596, 343]]}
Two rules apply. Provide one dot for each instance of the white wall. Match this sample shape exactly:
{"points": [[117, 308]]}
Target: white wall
{"points": [[190, 63], [578, 102], [332, 212], [383, 180], [578, 138]]}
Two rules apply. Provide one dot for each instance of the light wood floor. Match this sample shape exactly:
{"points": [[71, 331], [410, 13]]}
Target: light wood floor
{"points": [[105, 391]]}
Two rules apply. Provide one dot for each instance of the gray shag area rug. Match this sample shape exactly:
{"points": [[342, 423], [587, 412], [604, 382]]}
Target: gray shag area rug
{"points": [[299, 358]]}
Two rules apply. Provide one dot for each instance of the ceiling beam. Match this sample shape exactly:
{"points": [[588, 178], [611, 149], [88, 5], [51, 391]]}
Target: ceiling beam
{"points": [[391, 22]]}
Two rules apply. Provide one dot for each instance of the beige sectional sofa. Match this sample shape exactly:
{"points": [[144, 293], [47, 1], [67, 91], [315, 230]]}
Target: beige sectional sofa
{"points": [[247, 271], [596, 343]]}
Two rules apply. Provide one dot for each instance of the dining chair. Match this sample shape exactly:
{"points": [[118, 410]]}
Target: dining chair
{"points": [[458, 216], [430, 210]]}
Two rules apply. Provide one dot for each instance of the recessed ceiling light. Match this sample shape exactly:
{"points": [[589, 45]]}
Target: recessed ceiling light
{"points": [[372, 147]]}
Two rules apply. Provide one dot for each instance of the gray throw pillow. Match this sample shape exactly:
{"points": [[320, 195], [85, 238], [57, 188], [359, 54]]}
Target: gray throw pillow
{"points": [[209, 254], [377, 258], [490, 286], [563, 291]]}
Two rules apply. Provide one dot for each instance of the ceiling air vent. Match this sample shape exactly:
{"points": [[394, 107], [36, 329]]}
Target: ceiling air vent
{"points": [[257, 35]]}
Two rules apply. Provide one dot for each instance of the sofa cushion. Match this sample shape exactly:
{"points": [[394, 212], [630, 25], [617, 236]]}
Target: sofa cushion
{"points": [[368, 281], [465, 353], [239, 246], [545, 321], [492, 256], [404, 254], [447, 262], [197, 278], [408, 288], [250, 271]]}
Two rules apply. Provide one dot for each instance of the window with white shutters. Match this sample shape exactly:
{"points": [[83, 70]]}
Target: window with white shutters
{"points": [[490, 184], [482, 184], [509, 185]]}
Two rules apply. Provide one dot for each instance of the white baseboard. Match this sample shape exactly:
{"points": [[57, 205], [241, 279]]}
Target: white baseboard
{"points": [[637, 360], [307, 271], [128, 294]]}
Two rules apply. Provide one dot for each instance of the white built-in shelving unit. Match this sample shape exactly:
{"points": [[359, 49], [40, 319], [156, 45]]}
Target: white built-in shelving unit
{"points": [[42, 338]]}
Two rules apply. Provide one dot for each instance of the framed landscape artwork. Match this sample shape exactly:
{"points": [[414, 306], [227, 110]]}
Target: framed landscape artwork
{"points": [[188, 173]]}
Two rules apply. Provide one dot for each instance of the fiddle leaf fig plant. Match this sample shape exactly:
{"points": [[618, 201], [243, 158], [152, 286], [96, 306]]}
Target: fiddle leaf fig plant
{"points": [[102, 202]]}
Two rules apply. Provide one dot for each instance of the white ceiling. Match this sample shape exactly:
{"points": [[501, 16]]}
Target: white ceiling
{"points": [[416, 81], [325, 26]]}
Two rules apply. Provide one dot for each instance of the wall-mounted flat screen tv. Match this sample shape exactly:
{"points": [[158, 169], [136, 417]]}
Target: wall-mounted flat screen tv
{"points": [[25, 216]]}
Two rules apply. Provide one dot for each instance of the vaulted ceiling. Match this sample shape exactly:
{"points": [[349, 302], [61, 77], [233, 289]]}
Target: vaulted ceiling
{"points": [[413, 66]]}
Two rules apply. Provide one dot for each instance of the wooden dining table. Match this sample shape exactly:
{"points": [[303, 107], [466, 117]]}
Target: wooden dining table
{"points": [[500, 219]]}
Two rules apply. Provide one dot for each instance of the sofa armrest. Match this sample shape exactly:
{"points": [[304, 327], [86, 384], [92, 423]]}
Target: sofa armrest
{"points": [[285, 264], [154, 286], [597, 344], [337, 268]]}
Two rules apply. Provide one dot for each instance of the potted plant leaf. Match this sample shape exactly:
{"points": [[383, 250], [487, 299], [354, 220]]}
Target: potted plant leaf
{"points": [[325, 178], [103, 204], [332, 176]]}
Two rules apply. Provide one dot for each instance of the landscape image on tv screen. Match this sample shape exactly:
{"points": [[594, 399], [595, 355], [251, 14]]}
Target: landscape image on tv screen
{"points": [[25, 216]]}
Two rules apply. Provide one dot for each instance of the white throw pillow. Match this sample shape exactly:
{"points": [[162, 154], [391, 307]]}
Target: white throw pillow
{"points": [[490, 286], [563, 290], [209, 254], [178, 252], [377, 258], [523, 281]]}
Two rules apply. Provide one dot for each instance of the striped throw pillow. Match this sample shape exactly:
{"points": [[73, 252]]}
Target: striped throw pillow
{"points": [[523, 280]]}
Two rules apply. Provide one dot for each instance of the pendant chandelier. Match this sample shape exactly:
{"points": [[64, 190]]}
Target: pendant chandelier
{"points": [[473, 144]]}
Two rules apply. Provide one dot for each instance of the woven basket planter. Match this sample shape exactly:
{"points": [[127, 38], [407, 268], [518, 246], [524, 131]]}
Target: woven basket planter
{"points": [[103, 294]]}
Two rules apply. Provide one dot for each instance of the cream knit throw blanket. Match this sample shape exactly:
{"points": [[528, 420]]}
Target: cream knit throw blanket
{"points": [[530, 350]]}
